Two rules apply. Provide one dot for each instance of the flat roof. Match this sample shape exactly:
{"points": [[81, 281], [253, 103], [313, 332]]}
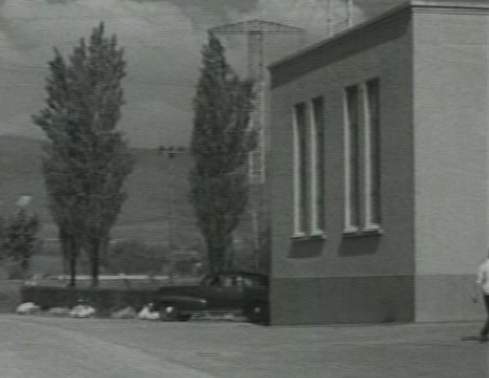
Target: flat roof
{"points": [[451, 4]]}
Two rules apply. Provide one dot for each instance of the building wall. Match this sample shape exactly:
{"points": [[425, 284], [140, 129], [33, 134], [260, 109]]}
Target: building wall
{"points": [[339, 278], [451, 122]]}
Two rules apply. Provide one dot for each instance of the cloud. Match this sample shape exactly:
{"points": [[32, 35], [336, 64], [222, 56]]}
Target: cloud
{"points": [[143, 28], [163, 41], [162, 50]]}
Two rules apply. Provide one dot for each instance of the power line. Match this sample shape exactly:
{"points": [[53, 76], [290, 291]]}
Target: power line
{"points": [[26, 68], [75, 44], [98, 17]]}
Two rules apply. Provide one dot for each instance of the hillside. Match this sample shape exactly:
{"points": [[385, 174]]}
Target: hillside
{"points": [[157, 191]]}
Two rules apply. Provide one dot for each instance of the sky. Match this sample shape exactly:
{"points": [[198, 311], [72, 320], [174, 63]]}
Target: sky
{"points": [[162, 40]]}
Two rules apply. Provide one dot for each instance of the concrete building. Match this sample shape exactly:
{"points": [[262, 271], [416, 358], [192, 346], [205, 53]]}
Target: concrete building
{"points": [[379, 169]]}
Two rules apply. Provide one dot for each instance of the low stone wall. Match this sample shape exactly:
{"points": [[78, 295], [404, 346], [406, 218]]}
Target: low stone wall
{"points": [[10, 296], [104, 300]]}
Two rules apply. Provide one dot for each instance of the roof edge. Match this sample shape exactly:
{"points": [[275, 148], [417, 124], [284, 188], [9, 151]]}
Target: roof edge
{"points": [[408, 4], [457, 4]]}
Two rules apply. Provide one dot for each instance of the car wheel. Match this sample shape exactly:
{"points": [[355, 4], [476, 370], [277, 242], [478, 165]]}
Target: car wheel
{"points": [[170, 312], [258, 313], [184, 317]]}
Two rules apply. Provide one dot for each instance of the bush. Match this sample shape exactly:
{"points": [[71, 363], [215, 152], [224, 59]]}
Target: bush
{"points": [[19, 239]]}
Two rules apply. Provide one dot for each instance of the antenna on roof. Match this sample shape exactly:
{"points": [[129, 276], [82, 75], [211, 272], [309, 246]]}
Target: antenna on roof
{"points": [[329, 20], [349, 17]]}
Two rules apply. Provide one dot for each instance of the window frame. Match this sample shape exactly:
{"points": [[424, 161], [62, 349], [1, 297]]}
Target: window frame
{"points": [[372, 156], [317, 166], [300, 171], [352, 164]]}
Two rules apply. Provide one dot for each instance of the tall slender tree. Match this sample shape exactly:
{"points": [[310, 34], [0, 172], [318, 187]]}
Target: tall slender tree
{"points": [[87, 159], [65, 204], [221, 141]]}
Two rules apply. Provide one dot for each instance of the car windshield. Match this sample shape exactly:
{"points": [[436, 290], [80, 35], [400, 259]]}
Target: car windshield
{"points": [[210, 281], [228, 281]]}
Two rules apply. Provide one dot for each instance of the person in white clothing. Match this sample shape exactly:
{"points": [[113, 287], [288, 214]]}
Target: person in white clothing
{"points": [[483, 283]]}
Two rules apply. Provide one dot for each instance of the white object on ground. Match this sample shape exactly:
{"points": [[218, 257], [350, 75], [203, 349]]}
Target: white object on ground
{"points": [[27, 308], [147, 313], [82, 311]]}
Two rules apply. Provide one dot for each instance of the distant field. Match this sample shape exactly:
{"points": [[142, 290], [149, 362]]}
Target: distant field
{"points": [[157, 190]]}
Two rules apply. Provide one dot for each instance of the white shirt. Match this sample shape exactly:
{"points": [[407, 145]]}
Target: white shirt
{"points": [[483, 276]]}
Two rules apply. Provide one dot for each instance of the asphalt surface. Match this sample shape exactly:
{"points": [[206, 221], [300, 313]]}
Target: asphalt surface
{"points": [[42, 347]]}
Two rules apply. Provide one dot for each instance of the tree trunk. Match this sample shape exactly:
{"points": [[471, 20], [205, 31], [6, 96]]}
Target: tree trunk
{"points": [[216, 252], [24, 265], [65, 248], [211, 263], [94, 260], [229, 253], [65, 253], [72, 271], [73, 255], [104, 253]]}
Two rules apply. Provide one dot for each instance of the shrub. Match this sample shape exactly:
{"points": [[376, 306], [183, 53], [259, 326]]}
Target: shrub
{"points": [[19, 239]]}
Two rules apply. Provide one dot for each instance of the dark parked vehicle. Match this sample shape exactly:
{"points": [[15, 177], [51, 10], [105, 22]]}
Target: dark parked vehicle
{"points": [[224, 292]]}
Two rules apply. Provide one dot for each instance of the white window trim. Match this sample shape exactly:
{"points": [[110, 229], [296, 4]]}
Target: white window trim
{"points": [[297, 189], [313, 150], [368, 224], [348, 226], [367, 129]]}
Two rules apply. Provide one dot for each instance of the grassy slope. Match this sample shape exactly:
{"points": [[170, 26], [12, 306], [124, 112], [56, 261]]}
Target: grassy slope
{"points": [[156, 188]]}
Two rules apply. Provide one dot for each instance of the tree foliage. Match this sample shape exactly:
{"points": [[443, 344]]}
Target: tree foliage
{"points": [[87, 160], [221, 141], [19, 237]]}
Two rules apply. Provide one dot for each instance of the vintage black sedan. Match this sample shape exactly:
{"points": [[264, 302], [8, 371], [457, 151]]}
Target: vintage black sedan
{"points": [[230, 292]]}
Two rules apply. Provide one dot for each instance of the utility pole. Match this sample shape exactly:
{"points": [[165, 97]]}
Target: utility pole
{"points": [[255, 32], [343, 23], [171, 153]]}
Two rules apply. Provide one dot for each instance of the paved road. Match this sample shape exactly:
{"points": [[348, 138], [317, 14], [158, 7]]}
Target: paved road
{"points": [[47, 347], [30, 348]]}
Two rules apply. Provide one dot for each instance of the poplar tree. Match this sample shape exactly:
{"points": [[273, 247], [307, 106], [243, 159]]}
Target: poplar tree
{"points": [[87, 159], [221, 141]]}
